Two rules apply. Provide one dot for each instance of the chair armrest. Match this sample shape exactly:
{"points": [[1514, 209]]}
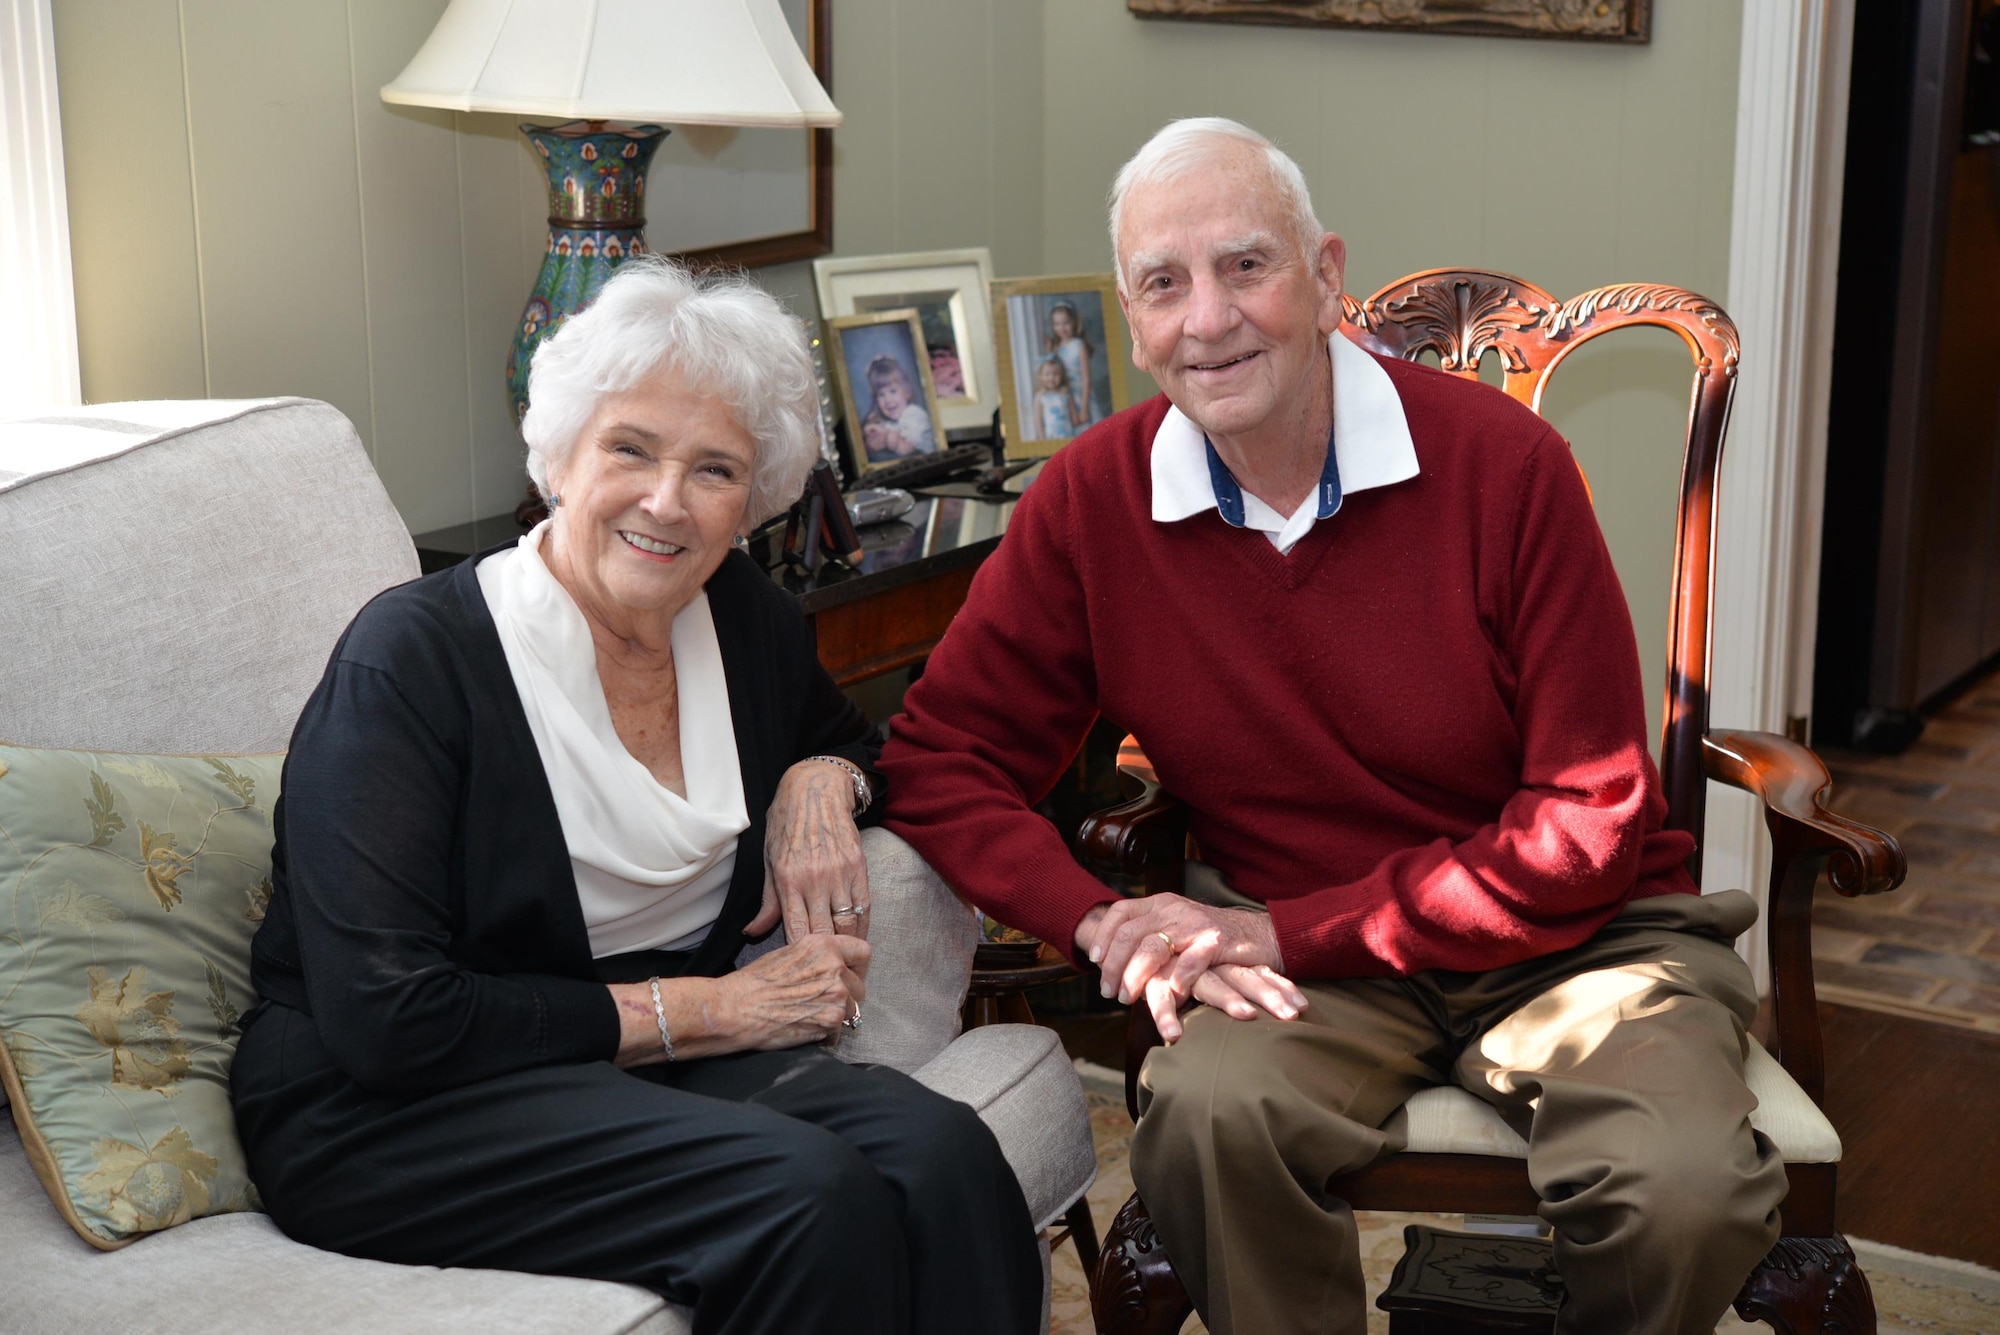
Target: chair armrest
{"points": [[921, 938], [1143, 837], [1792, 784]]}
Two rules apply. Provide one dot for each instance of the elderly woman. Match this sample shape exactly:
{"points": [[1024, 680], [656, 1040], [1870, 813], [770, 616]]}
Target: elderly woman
{"points": [[530, 816]]}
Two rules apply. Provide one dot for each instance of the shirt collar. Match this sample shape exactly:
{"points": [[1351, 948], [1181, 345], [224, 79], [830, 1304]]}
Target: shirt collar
{"points": [[1371, 443]]}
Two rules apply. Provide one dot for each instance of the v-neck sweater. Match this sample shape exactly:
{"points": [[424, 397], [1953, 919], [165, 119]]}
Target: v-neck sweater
{"points": [[424, 909], [1419, 738]]}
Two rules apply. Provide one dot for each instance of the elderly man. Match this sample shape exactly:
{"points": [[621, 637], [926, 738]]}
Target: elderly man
{"points": [[1362, 619]]}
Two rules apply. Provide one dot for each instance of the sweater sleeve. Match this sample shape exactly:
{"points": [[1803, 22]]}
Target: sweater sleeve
{"points": [[371, 811], [1584, 829], [997, 717]]}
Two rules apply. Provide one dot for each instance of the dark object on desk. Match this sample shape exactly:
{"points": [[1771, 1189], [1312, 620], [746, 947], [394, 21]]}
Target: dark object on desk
{"points": [[841, 539], [819, 525], [921, 468], [989, 485], [1469, 1283]]}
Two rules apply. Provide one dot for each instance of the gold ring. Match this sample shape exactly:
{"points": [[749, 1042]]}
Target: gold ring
{"points": [[1168, 939]]}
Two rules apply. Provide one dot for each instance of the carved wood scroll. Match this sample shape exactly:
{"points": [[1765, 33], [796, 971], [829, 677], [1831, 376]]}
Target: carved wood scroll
{"points": [[1588, 20]]}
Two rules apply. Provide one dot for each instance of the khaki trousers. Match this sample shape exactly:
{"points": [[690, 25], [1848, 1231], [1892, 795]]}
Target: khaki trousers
{"points": [[1620, 1062]]}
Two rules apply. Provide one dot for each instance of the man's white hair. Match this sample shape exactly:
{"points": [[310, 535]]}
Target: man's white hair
{"points": [[1186, 146], [723, 334]]}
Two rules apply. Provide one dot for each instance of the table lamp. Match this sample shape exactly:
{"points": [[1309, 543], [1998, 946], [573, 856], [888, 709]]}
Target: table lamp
{"points": [[643, 62]]}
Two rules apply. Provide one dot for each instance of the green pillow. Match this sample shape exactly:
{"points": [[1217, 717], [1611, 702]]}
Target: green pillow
{"points": [[129, 889]]}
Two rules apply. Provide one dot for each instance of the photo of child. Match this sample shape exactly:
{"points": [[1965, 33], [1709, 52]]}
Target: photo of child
{"points": [[886, 380], [1060, 362], [1066, 340], [1054, 408], [896, 424]]}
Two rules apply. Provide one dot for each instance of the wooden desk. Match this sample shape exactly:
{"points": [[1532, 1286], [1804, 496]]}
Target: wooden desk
{"points": [[914, 575], [887, 615]]}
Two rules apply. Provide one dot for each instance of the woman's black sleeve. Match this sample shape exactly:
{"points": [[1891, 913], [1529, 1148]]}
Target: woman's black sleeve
{"points": [[373, 808]]}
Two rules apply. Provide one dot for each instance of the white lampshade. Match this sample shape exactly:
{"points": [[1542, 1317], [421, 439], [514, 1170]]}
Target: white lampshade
{"points": [[677, 62]]}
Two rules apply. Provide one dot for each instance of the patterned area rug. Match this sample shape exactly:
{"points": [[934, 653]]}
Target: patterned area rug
{"points": [[1914, 1295]]}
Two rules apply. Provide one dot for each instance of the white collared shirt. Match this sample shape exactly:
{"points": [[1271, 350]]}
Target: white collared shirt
{"points": [[1371, 448]]}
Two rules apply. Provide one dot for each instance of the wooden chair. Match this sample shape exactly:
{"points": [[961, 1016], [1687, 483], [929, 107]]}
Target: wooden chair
{"points": [[1809, 1283]]}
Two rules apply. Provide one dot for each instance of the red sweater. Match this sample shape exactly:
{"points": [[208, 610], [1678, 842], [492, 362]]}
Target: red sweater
{"points": [[1419, 738]]}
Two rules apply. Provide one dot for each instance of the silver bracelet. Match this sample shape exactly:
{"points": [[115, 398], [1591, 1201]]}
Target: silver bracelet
{"points": [[660, 1015], [863, 792]]}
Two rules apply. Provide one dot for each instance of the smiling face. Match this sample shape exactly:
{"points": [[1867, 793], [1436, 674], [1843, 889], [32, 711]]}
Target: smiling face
{"points": [[653, 493], [892, 396], [1062, 323], [1052, 375], [1226, 314]]}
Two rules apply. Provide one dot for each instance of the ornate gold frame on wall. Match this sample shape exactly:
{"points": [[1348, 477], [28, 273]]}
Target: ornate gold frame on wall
{"points": [[1577, 20]]}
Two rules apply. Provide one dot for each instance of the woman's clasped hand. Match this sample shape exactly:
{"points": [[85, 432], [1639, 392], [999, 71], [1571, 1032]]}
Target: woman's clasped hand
{"points": [[804, 992]]}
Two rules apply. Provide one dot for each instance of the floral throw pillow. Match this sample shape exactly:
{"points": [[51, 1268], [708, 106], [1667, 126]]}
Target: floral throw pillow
{"points": [[129, 889]]}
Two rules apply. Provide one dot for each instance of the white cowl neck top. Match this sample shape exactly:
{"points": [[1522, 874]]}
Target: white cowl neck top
{"points": [[652, 867]]}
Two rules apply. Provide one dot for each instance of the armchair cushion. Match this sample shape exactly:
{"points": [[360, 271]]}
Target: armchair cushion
{"points": [[1447, 1120], [1019, 1080], [129, 889]]}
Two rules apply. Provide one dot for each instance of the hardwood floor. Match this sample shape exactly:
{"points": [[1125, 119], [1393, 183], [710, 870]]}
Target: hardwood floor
{"points": [[1917, 1104], [1932, 948]]}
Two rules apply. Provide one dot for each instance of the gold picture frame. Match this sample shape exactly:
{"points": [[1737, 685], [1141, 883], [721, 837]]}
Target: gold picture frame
{"points": [[858, 343], [1029, 336]]}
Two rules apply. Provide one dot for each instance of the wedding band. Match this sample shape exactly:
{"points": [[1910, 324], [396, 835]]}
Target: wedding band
{"points": [[849, 912], [1168, 939]]}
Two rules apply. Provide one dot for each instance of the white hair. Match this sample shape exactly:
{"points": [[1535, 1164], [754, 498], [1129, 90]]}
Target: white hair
{"points": [[1185, 146], [721, 333]]}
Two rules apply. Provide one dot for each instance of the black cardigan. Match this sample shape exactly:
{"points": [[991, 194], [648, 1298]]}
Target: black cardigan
{"points": [[424, 911]]}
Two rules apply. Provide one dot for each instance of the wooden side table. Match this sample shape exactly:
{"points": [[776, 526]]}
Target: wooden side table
{"points": [[998, 996]]}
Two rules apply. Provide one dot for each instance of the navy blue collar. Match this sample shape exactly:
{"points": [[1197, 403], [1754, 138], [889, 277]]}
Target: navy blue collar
{"points": [[1229, 493]]}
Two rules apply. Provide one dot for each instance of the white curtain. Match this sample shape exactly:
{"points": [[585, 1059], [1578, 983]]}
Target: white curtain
{"points": [[38, 360]]}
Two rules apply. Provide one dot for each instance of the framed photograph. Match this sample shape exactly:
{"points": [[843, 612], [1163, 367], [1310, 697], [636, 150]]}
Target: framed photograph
{"points": [[885, 384], [749, 197], [1062, 346], [947, 289]]}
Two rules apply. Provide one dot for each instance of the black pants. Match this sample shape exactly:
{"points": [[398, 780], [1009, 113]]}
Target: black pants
{"points": [[774, 1191]]}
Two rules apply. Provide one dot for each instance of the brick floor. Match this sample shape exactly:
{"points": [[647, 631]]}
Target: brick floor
{"points": [[1932, 948]]}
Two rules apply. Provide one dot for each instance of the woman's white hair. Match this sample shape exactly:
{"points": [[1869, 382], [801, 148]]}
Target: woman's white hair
{"points": [[1186, 146], [720, 333]]}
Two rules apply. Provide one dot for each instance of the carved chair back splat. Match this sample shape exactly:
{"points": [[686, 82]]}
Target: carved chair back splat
{"points": [[1460, 315]]}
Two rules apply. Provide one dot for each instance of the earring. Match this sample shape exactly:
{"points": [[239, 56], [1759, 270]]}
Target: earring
{"points": [[555, 500], [739, 541]]}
